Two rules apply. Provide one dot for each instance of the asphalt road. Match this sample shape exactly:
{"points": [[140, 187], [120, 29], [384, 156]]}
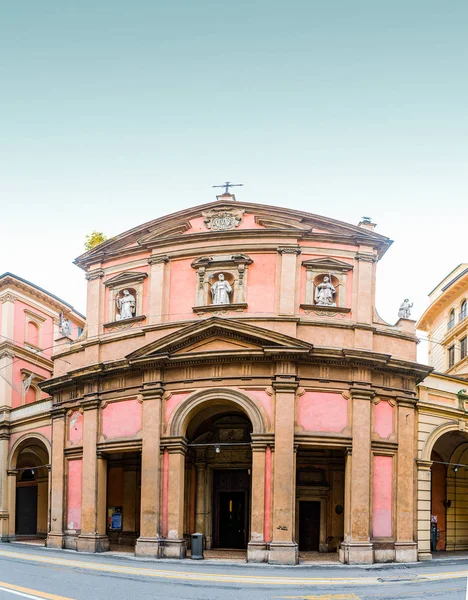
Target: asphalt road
{"points": [[38, 573]]}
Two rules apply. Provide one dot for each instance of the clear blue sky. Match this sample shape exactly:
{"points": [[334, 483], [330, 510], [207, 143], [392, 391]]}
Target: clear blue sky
{"points": [[114, 113]]}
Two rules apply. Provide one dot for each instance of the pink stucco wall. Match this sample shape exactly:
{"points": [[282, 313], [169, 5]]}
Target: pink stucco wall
{"points": [[322, 411], [382, 496], [263, 399], [181, 289], [75, 427], [75, 473], [122, 419], [173, 402], [261, 286], [383, 419]]}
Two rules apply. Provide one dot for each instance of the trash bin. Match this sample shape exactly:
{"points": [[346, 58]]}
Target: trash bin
{"points": [[197, 546]]}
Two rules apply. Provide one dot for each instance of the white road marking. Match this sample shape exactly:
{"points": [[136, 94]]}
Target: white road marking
{"points": [[3, 589]]}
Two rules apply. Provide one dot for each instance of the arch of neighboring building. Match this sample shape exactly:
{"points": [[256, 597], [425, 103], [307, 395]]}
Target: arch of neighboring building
{"points": [[223, 396], [31, 502], [435, 435]]}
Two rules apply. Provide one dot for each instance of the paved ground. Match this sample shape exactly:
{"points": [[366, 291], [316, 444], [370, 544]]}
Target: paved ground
{"points": [[39, 573]]}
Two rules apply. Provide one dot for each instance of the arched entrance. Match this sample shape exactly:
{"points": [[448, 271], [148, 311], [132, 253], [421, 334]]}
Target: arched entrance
{"points": [[29, 489], [218, 466], [209, 471]]}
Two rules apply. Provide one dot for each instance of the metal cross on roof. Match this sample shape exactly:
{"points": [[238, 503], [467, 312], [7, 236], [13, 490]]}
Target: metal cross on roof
{"points": [[228, 185]]}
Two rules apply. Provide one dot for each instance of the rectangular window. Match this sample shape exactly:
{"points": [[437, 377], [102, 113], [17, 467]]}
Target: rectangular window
{"points": [[451, 356], [463, 348]]}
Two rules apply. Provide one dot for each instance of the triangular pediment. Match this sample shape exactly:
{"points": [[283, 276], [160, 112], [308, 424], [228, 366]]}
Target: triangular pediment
{"points": [[327, 263], [220, 336], [126, 277]]}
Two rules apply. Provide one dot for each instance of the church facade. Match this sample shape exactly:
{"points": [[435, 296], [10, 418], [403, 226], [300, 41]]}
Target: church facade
{"points": [[234, 379]]}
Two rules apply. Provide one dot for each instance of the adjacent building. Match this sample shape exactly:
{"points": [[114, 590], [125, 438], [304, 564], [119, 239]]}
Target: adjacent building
{"points": [[234, 379], [33, 325], [443, 420]]}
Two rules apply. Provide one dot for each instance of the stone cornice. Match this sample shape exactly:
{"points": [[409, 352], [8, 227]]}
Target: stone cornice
{"points": [[125, 278]]}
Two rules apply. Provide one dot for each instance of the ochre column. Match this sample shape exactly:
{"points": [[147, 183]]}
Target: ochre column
{"points": [[149, 542], [200, 510], [357, 547], [424, 509], [175, 545], [283, 549], [92, 537], [256, 549], [405, 545], [158, 288], [57, 480]]}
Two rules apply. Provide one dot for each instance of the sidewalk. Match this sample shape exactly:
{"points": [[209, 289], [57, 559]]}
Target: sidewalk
{"points": [[236, 558]]}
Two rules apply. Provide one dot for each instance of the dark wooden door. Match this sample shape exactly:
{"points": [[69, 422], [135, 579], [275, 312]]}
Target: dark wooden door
{"points": [[26, 510], [309, 526], [231, 508]]}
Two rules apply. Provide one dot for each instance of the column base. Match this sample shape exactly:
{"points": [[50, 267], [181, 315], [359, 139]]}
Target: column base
{"points": [[406, 552], [92, 543], [257, 552], [55, 540], [150, 547], [174, 548], [424, 556], [357, 553], [283, 553]]}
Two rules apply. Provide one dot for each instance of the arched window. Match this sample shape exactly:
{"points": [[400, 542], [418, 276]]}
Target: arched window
{"points": [[463, 310], [451, 321]]}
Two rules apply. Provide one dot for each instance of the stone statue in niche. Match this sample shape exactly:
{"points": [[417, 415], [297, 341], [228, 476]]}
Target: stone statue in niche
{"points": [[220, 291], [405, 309], [126, 305], [325, 293], [65, 326]]}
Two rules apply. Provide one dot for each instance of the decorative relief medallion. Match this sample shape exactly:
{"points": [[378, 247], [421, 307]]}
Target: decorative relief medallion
{"points": [[223, 218]]}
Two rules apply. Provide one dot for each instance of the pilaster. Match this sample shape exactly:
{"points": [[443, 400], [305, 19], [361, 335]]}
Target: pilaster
{"points": [[357, 547], [158, 288], [149, 542], [94, 302], [93, 536], [175, 545], [424, 509], [57, 479], [257, 549], [405, 545], [4, 440], [283, 548], [287, 299]]}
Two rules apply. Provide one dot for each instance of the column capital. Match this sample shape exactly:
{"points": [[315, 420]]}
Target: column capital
{"points": [[96, 274], [289, 250], [286, 384], [151, 391], [90, 402], [175, 445], [11, 472], [406, 402], [366, 257], [158, 259], [362, 393], [424, 465], [58, 412]]}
